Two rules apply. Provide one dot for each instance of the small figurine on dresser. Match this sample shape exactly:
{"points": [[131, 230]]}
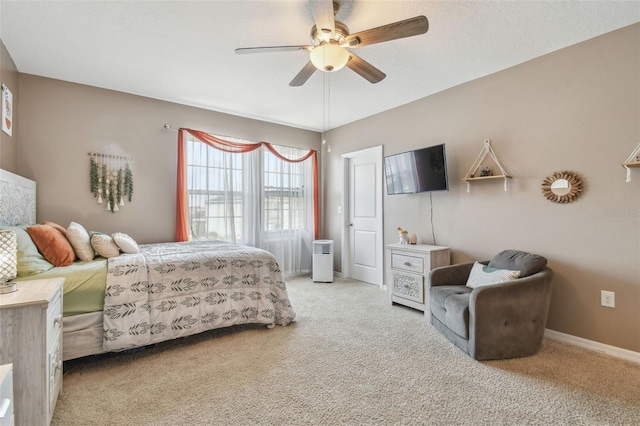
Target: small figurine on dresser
{"points": [[404, 235]]}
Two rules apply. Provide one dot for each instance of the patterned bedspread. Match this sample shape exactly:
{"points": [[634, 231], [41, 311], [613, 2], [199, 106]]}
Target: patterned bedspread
{"points": [[172, 290]]}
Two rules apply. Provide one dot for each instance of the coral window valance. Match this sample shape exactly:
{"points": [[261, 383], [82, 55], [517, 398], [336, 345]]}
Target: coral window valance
{"points": [[182, 219]]}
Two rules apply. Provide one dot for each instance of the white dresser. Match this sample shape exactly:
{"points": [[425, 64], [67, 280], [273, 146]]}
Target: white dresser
{"points": [[6, 395], [31, 336], [408, 267]]}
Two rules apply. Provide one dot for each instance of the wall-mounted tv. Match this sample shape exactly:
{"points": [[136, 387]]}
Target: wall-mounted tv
{"points": [[419, 170]]}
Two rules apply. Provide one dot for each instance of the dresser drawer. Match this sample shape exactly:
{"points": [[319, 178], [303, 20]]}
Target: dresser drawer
{"points": [[6, 395], [54, 351], [407, 262], [6, 412], [54, 318], [408, 286], [55, 372]]}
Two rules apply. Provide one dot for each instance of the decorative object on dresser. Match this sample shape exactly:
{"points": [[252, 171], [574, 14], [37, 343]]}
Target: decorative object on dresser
{"points": [[110, 177], [493, 309], [8, 261], [31, 338], [480, 172], [562, 187], [7, 417], [408, 269], [404, 236], [632, 161]]}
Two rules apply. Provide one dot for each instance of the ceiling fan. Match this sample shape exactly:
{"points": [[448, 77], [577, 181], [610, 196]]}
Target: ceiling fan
{"points": [[330, 41]]}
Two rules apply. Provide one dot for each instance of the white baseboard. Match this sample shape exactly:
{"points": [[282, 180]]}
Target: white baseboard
{"points": [[594, 346]]}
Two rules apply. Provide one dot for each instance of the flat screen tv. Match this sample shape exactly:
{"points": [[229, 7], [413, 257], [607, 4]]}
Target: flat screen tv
{"points": [[415, 171]]}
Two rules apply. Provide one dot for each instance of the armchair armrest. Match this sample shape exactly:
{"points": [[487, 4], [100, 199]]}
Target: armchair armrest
{"points": [[450, 275], [508, 319]]}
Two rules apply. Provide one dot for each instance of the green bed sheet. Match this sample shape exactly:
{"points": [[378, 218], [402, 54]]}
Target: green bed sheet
{"points": [[84, 285]]}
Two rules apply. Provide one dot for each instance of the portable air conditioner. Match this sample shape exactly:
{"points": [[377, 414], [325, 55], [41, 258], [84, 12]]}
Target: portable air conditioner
{"points": [[323, 261]]}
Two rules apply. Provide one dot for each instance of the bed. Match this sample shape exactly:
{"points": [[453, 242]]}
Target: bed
{"points": [[162, 292]]}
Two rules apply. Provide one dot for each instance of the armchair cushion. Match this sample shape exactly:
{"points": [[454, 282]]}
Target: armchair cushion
{"points": [[450, 305], [526, 263]]}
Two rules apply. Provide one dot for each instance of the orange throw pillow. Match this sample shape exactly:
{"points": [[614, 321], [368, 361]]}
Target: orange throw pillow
{"points": [[52, 244], [60, 228]]}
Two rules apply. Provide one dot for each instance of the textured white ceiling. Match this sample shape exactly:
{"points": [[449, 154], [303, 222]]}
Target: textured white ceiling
{"points": [[183, 51]]}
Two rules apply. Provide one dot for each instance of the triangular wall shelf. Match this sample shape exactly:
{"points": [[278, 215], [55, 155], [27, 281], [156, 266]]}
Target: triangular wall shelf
{"points": [[632, 162], [472, 174]]}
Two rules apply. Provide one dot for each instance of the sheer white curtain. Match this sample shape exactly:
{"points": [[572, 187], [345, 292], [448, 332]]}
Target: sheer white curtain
{"points": [[219, 192], [288, 210], [253, 198]]}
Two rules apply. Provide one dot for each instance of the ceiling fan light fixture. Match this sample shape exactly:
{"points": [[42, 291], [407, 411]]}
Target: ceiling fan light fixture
{"points": [[329, 57]]}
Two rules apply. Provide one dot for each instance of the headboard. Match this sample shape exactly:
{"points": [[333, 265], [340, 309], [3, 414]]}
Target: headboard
{"points": [[17, 199]]}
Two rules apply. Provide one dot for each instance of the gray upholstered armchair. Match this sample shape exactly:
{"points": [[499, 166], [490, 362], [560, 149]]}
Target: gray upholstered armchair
{"points": [[493, 321]]}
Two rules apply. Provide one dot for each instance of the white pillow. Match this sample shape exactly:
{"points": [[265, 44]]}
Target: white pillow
{"points": [[484, 275], [125, 242], [80, 241], [104, 245]]}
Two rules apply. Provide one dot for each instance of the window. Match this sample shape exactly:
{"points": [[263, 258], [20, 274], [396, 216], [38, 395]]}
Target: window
{"points": [[215, 188], [254, 198], [284, 206]]}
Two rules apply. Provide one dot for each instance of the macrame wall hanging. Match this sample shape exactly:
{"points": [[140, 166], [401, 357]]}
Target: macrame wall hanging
{"points": [[110, 177]]}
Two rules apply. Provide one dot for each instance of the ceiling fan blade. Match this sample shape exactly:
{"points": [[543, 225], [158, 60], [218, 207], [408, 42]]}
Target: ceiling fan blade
{"points": [[303, 75], [271, 49], [401, 29], [323, 15], [365, 69]]}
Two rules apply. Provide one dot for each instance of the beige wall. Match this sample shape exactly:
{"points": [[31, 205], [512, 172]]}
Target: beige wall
{"points": [[62, 122], [576, 109], [9, 144]]}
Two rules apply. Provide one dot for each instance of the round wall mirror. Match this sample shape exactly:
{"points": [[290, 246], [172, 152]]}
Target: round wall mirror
{"points": [[562, 187]]}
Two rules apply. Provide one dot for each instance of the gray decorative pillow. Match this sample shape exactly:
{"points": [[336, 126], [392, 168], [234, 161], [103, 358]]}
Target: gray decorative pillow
{"points": [[526, 263]]}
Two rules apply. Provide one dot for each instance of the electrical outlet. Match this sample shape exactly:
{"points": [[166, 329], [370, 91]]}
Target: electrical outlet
{"points": [[608, 299]]}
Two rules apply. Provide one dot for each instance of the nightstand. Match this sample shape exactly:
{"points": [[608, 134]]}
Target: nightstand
{"points": [[31, 335], [408, 267]]}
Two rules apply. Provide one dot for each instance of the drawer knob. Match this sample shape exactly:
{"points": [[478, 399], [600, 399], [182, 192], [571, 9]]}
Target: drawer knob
{"points": [[407, 263], [58, 320]]}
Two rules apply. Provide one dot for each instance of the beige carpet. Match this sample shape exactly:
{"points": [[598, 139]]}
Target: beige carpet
{"points": [[350, 358]]}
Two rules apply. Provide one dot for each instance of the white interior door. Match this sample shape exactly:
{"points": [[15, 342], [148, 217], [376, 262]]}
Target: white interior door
{"points": [[363, 228]]}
